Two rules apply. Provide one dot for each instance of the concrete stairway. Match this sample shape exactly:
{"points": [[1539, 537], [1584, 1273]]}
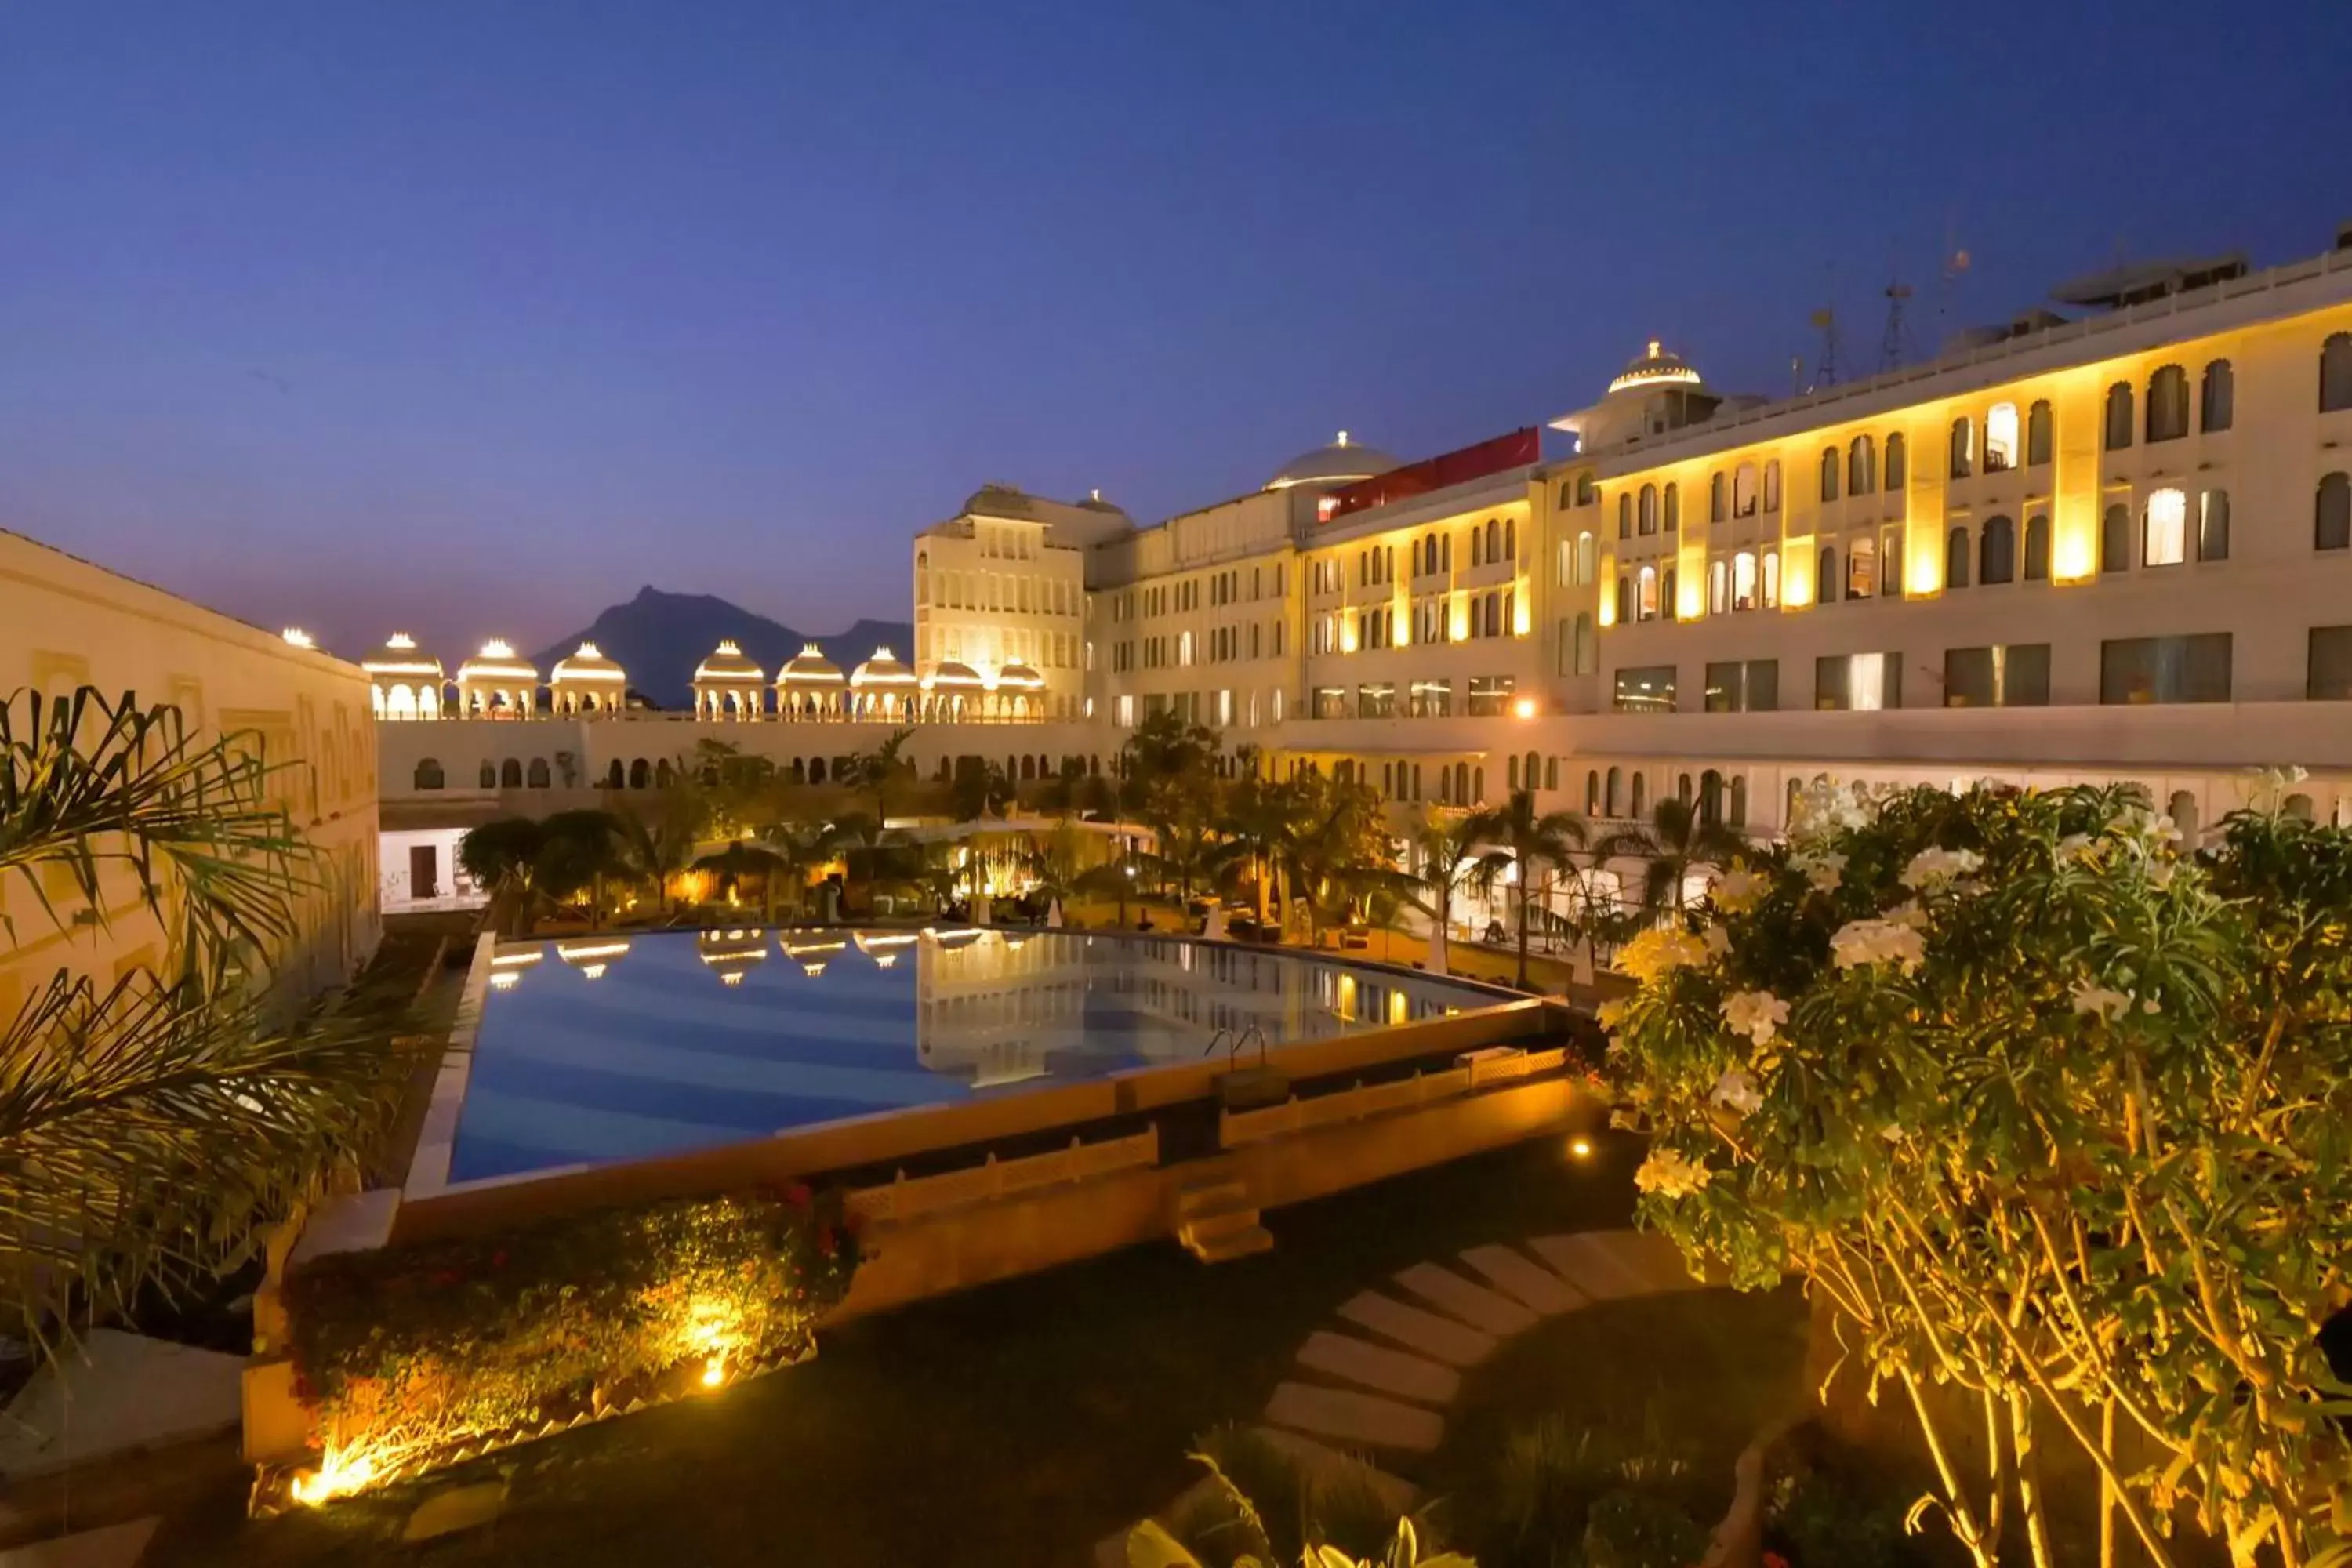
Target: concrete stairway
{"points": [[1217, 1222]]}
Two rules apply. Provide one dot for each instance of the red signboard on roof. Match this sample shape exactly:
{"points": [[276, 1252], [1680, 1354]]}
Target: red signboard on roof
{"points": [[1515, 450]]}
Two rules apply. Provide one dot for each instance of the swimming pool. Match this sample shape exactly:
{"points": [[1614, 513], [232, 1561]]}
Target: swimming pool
{"points": [[609, 1046]]}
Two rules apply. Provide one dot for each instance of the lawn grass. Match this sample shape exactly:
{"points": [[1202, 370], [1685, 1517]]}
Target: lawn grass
{"points": [[1015, 1425]]}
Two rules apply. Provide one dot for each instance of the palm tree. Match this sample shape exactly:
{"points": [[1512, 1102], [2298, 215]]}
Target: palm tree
{"points": [[152, 1124], [1677, 841], [875, 771], [1444, 854], [658, 844], [1525, 839]]}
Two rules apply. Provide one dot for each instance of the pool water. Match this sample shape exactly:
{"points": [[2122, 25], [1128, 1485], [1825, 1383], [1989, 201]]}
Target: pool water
{"points": [[606, 1047]]}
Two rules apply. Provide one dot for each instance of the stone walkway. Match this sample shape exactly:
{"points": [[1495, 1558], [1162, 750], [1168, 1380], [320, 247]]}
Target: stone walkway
{"points": [[1382, 1378]]}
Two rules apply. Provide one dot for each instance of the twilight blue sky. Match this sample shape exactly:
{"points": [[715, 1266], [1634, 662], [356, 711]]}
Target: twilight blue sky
{"points": [[473, 315]]}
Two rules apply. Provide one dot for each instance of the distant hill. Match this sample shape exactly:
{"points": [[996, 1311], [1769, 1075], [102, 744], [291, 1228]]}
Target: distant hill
{"points": [[660, 638]]}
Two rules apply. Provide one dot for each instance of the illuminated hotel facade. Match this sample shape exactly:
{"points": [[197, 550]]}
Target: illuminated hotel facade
{"points": [[2115, 549]]}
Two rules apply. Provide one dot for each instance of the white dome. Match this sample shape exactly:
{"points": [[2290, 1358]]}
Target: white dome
{"points": [[882, 669], [1343, 462], [1019, 677], [728, 663], [588, 664], [400, 655], [498, 661], [952, 672], [809, 668], [1655, 367]]}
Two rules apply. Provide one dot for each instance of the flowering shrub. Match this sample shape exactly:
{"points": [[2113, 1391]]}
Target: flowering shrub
{"points": [[407, 1352], [2049, 1111]]}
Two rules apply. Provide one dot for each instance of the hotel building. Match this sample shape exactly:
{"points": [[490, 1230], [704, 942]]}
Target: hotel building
{"points": [[2112, 548]]}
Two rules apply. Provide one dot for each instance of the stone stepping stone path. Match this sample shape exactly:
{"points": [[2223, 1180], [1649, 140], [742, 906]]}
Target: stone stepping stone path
{"points": [[1354, 1393]]}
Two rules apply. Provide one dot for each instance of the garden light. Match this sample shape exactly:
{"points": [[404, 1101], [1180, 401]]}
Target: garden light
{"points": [[1580, 1148]]}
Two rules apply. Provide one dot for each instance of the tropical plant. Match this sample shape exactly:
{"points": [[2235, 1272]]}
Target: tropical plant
{"points": [[659, 837], [1257, 814], [979, 789], [1443, 850], [879, 772], [1241, 1526], [578, 851], [1335, 851], [1524, 841], [151, 1124], [872, 856], [2055, 1117], [1678, 839]]}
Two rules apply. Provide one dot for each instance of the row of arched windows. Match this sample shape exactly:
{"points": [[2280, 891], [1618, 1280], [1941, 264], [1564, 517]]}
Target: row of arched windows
{"points": [[1649, 510], [2167, 415], [1991, 556], [1743, 491], [1859, 465], [1720, 800]]}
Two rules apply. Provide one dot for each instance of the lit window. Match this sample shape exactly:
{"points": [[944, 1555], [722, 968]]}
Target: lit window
{"points": [[2001, 437], [1861, 568], [1771, 579], [1647, 597], [1718, 588], [1743, 581], [2164, 529], [1743, 490]]}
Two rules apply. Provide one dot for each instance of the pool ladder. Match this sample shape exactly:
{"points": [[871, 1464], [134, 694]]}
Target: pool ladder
{"points": [[1236, 1044]]}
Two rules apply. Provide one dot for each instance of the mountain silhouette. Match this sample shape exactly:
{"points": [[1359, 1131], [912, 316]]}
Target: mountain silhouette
{"points": [[659, 639]]}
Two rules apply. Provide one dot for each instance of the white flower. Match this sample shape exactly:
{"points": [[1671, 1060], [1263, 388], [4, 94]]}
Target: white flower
{"points": [[2161, 874], [1738, 889], [2099, 1000], [1669, 1174], [1933, 867], [1656, 954], [1737, 1093], [1718, 940], [2077, 847], [1821, 869], [1757, 1015], [1860, 943]]}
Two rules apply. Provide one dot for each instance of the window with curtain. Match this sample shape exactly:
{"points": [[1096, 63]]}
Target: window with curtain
{"points": [[1825, 578], [1624, 516], [2038, 436], [2164, 529], [2037, 548], [1718, 587], [2015, 675], [1998, 550], [2331, 520], [1963, 460], [1861, 568], [1773, 485], [2214, 526], [1896, 460], [2217, 398], [1771, 573], [2118, 434], [2335, 373], [1860, 466], [1743, 580], [1956, 551], [1829, 474], [1858, 682], [2168, 404], [2141, 670], [2114, 539], [1673, 507], [1649, 510], [1743, 490], [1717, 506], [1645, 599]]}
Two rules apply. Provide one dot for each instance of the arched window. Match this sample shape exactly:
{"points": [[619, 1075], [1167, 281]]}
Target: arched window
{"points": [[1964, 449], [1670, 603], [1624, 600], [2037, 548], [428, 775], [1588, 557], [1743, 580], [1717, 507], [664, 777], [489, 777], [1710, 797], [1587, 659], [1683, 789], [1624, 516], [1673, 506], [2114, 539], [2119, 435], [1861, 568], [2168, 404], [1510, 539], [1771, 574], [1773, 485], [1739, 800], [1826, 581], [537, 778], [511, 774], [2038, 436], [1649, 512], [2335, 373], [1474, 547], [1613, 796], [1565, 491], [617, 777], [1445, 553], [1999, 550], [2216, 398], [1640, 795], [1477, 784], [640, 775], [1743, 490], [1860, 466], [1493, 539], [1829, 474], [2001, 437], [2164, 529], [1513, 776], [2214, 526], [1592, 792], [1955, 558], [1718, 587], [1896, 460], [2331, 522], [1645, 602]]}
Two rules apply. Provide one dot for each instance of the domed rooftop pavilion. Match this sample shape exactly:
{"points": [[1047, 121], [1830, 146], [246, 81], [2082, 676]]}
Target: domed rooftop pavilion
{"points": [[1343, 462], [586, 681], [404, 683], [730, 684]]}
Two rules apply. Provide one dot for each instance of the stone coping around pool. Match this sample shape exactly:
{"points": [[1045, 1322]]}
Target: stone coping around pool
{"points": [[434, 1205]]}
